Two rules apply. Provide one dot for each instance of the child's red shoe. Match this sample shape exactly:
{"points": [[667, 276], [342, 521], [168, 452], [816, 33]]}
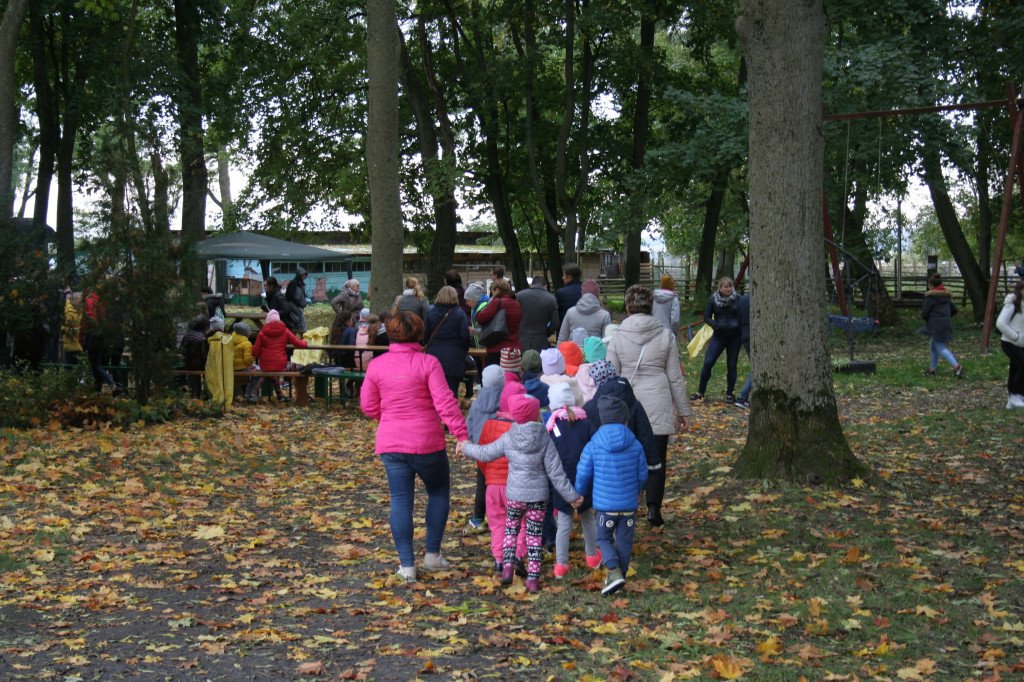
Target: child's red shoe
{"points": [[594, 561]]}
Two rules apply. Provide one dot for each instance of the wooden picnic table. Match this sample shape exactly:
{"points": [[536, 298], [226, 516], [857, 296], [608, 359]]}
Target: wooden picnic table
{"points": [[257, 318]]}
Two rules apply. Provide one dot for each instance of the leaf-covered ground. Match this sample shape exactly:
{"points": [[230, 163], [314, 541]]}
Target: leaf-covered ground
{"points": [[256, 547]]}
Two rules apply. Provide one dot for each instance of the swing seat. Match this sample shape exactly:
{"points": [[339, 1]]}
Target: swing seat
{"points": [[854, 324]]}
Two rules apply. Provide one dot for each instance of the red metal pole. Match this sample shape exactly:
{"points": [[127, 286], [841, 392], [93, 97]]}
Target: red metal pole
{"points": [[743, 269], [1013, 172], [837, 277]]}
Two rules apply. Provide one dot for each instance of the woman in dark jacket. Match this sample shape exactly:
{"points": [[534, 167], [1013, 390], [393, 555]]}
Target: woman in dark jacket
{"points": [[722, 313], [276, 301], [295, 294], [446, 336], [502, 298], [938, 311]]}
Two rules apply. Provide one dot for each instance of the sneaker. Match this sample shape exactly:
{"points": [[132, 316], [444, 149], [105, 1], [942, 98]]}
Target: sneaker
{"points": [[741, 402], [477, 524], [696, 396], [408, 574], [594, 561], [508, 574], [958, 371], [533, 584], [560, 571], [929, 372], [283, 399], [435, 562], [520, 568], [614, 582], [1015, 402], [729, 398], [251, 400]]}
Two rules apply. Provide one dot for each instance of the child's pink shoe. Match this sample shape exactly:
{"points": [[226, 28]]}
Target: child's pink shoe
{"points": [[561, 570], [532, 585], [594, 561]]}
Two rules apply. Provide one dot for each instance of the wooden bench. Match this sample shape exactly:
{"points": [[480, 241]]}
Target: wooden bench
{"points": [[298, 380]]}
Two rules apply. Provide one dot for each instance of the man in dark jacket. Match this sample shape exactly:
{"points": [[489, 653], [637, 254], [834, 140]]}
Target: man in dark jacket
{"points": [[276, 301], [540, 315], [569, 294]]}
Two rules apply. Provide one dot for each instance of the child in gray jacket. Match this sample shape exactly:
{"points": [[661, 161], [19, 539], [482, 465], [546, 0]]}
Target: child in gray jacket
{"points": [[532, 461]]}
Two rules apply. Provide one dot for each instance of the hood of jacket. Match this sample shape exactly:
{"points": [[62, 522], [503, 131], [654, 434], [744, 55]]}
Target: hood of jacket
{"points": [[940, 292], [664, 295], [273, 330], [489, 398], [588, 304], [529, 437], [408, 292], [616, 387], [641, 329], [614, 437], [300, 272]]}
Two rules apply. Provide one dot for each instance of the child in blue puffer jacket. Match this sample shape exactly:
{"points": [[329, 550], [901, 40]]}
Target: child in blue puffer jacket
{"points": [[613, 469]]}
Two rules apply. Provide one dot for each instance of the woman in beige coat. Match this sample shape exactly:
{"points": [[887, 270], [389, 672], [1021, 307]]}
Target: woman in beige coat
{"points": [[645, 352]]}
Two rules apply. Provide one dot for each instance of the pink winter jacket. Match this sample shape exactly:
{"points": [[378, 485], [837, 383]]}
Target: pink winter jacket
{"points": [[406, 390]]}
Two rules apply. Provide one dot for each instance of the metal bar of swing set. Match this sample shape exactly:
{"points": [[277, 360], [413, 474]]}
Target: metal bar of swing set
{"points": [[1015, 172], [967, 106]]}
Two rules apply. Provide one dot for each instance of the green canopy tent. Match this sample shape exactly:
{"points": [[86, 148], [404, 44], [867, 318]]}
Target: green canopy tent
{"points": [[255, 246]]}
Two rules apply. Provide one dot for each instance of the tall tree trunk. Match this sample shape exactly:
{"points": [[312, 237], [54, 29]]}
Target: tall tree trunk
{"points": [[10, 29], [794, 430], [641, 125], [982, 181], [189, 103], [706, 251], [975, 281], [435, 174], [383, 152], [46, 114]]}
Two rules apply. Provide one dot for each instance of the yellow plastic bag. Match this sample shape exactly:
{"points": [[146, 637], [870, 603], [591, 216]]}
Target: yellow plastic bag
{"points": [[700, 339], [307, 356]]}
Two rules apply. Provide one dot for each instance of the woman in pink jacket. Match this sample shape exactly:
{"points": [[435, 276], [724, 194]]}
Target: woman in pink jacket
{"points": [[406, 390]]}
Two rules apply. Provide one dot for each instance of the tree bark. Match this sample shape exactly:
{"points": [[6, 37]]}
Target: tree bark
{"points": [[641, 129], [975, 281], [437, 177], [794, 430], [10, 29], [706, 252], [189, 103], [46, 114], [383, 152]]}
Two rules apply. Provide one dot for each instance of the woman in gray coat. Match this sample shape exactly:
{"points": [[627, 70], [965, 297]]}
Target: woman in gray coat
{"points": [[645, 353]]}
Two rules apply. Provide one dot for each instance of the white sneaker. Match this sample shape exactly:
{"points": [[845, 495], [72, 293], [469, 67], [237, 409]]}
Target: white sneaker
{"points": [[435, 562], [407, 573], [1016, 401]]}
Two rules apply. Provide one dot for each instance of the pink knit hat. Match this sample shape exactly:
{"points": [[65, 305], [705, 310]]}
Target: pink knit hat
{"points": [[524, 408], [591, 287], [273, 316], [511, 390]]}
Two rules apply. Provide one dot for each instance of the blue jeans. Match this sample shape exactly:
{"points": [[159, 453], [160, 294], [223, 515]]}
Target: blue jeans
{"points": [[731, 345], [938, 348], [745, 391], [615, 538], [435, 472]]}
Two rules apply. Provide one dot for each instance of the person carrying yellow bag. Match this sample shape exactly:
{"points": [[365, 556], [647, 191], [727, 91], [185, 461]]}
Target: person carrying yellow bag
{"points": [[699, 341]]}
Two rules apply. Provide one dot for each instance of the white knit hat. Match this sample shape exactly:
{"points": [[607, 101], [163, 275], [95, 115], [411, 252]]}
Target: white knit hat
{"points": [[560, 395]]}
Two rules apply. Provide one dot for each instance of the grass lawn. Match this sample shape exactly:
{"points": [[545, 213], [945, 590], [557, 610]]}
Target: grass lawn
{"points": [[256, 547]]}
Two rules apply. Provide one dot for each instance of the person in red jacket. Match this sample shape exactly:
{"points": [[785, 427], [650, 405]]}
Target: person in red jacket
{"points": [[502, 298], [271, 351]]}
